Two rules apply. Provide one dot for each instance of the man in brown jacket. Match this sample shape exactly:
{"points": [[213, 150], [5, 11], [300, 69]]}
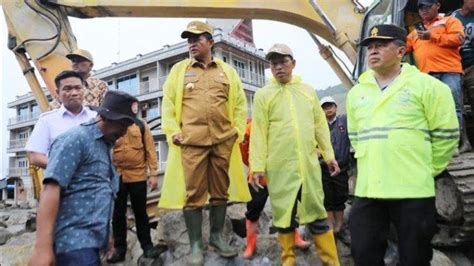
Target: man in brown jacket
{"points": [[134, 156]]}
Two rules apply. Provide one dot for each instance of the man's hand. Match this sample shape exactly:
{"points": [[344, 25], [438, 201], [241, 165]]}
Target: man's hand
{"points": [[153, 182], [424, 35], [333, 167], [42, 256], [255, 181], [178, 139]]}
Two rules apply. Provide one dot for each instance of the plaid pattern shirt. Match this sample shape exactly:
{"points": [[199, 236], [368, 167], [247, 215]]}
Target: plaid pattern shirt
{"points": [[95, 90]]}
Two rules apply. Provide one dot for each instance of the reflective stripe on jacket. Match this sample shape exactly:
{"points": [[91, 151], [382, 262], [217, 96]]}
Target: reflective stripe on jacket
{"points": [[403, 136]]}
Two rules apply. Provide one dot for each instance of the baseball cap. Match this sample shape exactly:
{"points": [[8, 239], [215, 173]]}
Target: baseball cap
{"points": [[328, 99], [426, 2], [118, 105], [279, 48], [81, 53], [385, 32], [196, 28]]}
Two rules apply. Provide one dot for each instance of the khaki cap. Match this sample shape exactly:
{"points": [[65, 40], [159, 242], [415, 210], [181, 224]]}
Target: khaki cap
{"points": [[81, 53], [196, 28], [279, 48]]}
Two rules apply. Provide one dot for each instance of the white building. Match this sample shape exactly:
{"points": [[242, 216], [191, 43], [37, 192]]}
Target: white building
{"points": [[142, 76]]}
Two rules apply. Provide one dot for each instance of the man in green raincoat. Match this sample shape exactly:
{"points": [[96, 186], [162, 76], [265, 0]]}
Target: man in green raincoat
{"points": [[203, 115], [288, 125]]}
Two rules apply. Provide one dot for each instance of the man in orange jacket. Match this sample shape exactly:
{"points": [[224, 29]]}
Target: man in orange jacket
{"points": [[436, 43], [256, 205]]}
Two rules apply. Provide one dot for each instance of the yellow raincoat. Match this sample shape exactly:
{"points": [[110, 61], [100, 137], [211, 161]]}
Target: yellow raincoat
{"points": [[288, 124], [173, 192]]}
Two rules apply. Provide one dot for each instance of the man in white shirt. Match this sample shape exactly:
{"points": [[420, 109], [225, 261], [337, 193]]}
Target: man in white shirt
{"points": [[53, 123]]}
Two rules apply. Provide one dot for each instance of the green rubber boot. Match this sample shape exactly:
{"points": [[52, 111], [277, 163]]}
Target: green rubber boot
{"points": [[217, 218], [193, 220]]}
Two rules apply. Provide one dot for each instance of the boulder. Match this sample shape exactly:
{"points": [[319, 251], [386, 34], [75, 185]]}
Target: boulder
{"points": [[5, 235]]}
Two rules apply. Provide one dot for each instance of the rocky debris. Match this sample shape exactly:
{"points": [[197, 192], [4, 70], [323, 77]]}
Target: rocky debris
{"points": [[440, 259], [5, 235], [17, 250], [172, 230]]}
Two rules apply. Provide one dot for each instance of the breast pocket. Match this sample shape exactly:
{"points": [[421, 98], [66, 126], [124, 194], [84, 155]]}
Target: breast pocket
{"points": [[135, 140], [221, 87], [190, 85]]}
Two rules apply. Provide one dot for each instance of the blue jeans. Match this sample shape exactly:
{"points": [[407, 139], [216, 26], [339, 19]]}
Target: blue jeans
{"points": [[80, 257], [453, 80]]}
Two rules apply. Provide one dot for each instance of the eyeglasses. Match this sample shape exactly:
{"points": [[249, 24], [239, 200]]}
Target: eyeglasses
{"points": [[283, 62]]}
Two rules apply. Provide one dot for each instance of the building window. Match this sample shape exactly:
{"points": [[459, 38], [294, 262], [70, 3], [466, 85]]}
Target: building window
{"points": [[153, 110], [128, 84], [22, 163], [111, 85], [23, 135], [35, 109], [240, 67], [23, 111], [224, 58]]}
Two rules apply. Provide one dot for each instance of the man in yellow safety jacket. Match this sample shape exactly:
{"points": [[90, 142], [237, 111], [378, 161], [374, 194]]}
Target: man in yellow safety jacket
{"points": [[204, 114], [288, 124], [403, 127]]}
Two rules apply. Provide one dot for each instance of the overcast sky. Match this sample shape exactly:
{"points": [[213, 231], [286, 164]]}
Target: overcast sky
{"points": [[117, 39]]}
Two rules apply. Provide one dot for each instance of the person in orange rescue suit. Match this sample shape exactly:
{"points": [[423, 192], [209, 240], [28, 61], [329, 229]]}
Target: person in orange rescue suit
{"points": [[134, 156], [436, 49], [288, 125], [203, 116], [256, 205]]}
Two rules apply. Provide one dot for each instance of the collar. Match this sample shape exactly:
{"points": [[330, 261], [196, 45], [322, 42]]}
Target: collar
{"points": [[439, 17], [295, 79], [65, 111], [95, 130], [333, 120], [197, 63]]}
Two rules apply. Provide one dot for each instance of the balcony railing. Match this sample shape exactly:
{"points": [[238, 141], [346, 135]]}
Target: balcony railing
{"points": [[251, 77], [18, 171], [17, 143], [23, 118]]}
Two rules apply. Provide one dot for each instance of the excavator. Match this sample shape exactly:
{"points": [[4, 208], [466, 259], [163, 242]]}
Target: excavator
{"points": [[40, 35]]}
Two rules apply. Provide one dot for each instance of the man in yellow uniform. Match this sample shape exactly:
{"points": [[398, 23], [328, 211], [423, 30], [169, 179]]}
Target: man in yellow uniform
{"points": [[288, 125], [403, 127], [204, 115]]}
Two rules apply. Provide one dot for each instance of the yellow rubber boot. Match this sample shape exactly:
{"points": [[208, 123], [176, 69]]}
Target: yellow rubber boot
{"points": [[326, 248], [287, 244]]}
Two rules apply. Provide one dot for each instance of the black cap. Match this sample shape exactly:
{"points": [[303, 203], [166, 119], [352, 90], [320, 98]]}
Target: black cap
{"points": [[426, 2], [385, 32], [118, 105]]}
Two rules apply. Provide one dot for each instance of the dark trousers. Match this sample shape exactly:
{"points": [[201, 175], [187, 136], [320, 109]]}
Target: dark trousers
{"points": [[336, 191], [315, 227], [79, 257], [137, 193], [414, 221], [256, 205]]}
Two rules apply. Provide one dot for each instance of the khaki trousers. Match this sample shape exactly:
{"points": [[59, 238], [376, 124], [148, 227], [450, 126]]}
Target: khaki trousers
{"points": [[206, 173]]}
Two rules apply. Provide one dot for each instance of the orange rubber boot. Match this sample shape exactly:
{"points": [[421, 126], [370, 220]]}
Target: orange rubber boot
{"points": [[300, 243], [252, 230]]}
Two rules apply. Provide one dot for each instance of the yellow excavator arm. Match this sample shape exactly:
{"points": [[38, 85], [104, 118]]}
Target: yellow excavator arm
{"points": [[40, 34]]}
